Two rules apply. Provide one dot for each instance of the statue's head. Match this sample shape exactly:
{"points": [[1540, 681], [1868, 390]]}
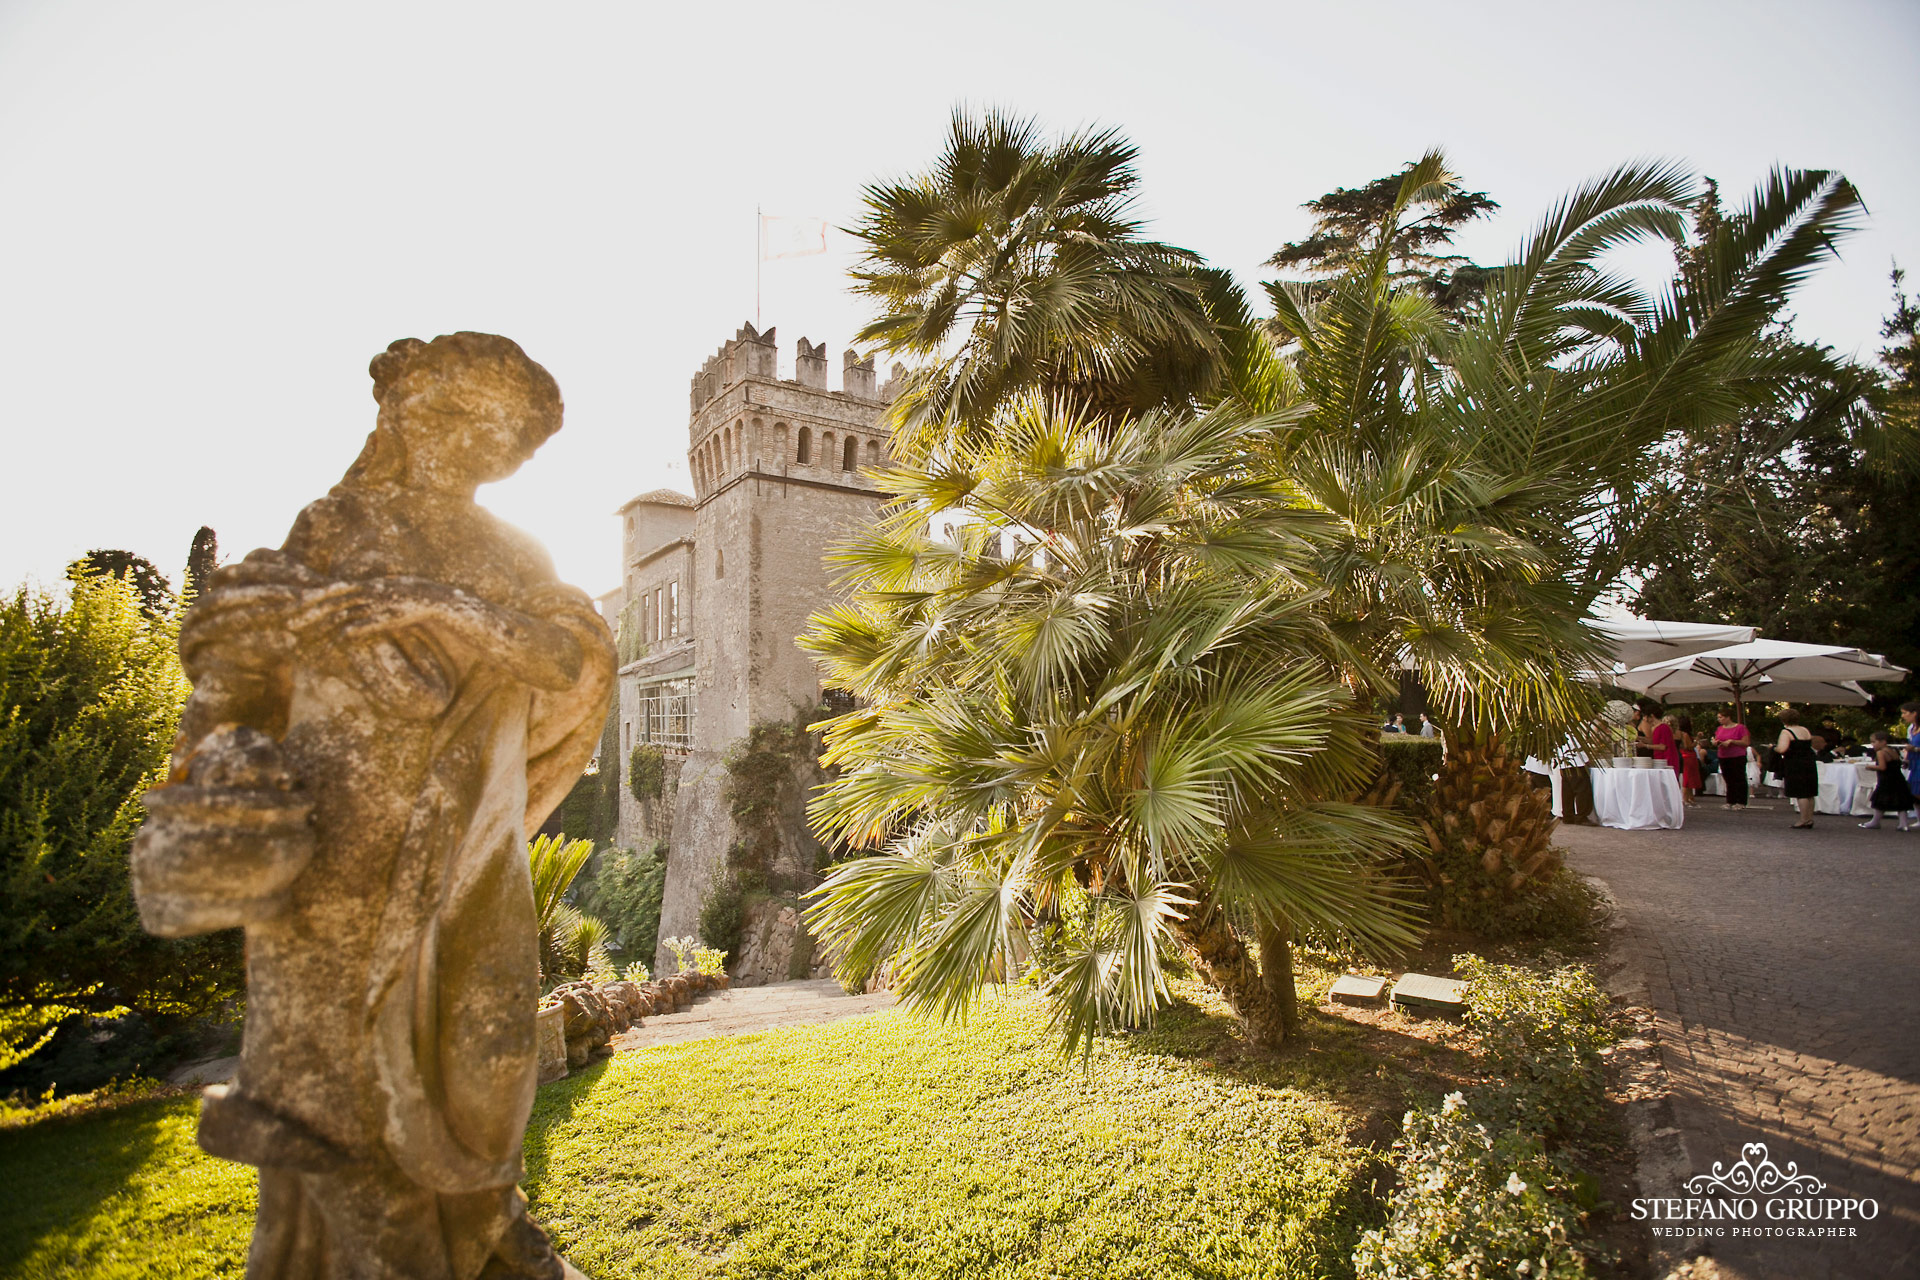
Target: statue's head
{"points": [[465, 409]]}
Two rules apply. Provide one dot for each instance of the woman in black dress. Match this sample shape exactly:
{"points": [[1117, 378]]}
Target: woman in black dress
{"points": [[1799, 772], [1891, 794]]}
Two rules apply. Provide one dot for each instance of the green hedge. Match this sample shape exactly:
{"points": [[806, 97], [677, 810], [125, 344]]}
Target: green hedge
{"points": [[1412, 762]]}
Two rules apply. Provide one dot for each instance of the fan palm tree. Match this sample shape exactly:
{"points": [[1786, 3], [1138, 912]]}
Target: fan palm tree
{"points": [[1103, 719], [1490, 473], [1014, 263], [1076, 752]]}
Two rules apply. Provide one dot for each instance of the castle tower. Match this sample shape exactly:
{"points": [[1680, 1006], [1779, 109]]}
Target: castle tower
{"points": [[777, 475]]}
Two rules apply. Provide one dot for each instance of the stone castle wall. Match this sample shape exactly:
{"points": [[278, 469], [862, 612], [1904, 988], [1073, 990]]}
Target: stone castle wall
{"points": [[762, 522]]}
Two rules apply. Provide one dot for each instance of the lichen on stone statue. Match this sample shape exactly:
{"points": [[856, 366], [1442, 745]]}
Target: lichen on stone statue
{"points": [[383, 710]]}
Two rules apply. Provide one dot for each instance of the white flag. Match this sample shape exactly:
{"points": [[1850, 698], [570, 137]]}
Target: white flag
{"points": [[791, 237]]}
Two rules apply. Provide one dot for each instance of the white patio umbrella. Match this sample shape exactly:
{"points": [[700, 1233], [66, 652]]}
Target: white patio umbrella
{"points": [[1636, 641], [1835, 693], [1758, 668]]}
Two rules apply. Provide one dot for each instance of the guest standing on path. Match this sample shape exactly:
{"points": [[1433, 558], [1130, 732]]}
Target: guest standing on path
{"points": [[1661, 742], [1688, 763], [1891, 793], [1910, 716], [1731, 744], [1799, 773]]}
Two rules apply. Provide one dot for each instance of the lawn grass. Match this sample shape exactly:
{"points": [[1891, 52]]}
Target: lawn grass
{"points": [[121, 1194], [877, 1146]]}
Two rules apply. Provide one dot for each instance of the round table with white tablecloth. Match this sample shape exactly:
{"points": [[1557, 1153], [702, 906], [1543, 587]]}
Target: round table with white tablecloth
{"points": [[1845, 787], [1638, 799]]}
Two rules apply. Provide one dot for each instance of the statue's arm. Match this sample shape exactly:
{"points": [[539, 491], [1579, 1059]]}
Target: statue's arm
{"points": [[519, 641]]}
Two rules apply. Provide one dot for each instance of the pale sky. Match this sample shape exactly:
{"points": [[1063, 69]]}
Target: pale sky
{"points": [[213, 215]]}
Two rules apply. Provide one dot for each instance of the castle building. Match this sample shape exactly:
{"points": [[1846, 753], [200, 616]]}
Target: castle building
{"points": [[717, 586]]}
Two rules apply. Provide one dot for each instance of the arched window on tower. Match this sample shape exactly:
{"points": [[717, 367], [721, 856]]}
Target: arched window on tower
{"points": [[804, 453], [873, 453], [850, 455]]}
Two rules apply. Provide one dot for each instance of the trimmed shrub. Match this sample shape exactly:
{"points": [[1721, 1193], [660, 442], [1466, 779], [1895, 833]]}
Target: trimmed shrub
{"points": [[90, 698], [723, 916], [1413, 763], [1558, 907], [591, 810]]}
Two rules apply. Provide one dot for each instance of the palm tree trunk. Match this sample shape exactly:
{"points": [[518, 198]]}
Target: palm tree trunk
{"points": [[1485, 803], [1276, 972], [1226, 965]]}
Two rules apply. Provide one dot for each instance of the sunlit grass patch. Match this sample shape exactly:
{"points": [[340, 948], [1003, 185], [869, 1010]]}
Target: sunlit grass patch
{"points": [[877, 1146], [121, 1194], [888, 1147]]}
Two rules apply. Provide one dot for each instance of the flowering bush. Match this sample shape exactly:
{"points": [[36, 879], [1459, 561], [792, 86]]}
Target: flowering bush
{"points": [[690, 957], [600, 967], [1541, 1032], [1477, 1201]]}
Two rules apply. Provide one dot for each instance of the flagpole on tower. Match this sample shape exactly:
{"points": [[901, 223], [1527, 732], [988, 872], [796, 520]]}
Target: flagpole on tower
{"points": [[759, 259]]}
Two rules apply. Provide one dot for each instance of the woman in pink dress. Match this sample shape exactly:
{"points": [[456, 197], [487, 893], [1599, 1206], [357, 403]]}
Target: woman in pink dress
{"points": [[1732, 742], [1661, 742]]}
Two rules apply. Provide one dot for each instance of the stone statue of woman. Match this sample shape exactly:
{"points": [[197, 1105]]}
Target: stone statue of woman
{"points": [[383, 710]]}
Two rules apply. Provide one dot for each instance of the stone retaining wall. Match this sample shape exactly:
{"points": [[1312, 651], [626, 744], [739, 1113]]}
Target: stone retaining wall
{"points": [[775, 947], [594, 1013]]}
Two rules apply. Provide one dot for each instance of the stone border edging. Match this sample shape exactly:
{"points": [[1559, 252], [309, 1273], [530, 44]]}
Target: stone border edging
{"points": [[1661, 1159]]}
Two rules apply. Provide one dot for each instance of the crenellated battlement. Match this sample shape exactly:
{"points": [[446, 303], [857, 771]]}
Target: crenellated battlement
{"points": [[810, 365], [748, 354], [896, 383], [856, 377], [751, 353], [746, 420]]}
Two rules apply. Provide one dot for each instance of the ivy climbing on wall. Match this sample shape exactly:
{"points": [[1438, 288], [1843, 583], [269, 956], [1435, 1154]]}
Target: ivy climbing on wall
{"points": [[769, 773], [647, 773]]}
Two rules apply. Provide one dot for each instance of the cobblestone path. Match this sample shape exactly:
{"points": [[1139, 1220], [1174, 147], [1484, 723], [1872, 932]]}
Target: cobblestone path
{"points": [[739, 1010], [1784, 968]]}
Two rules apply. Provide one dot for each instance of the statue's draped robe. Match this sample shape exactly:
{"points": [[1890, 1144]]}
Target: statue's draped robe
{"points": [[389, 1062]]}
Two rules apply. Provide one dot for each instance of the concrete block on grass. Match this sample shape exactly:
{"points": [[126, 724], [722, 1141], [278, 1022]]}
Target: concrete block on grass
{"points": [[1353, 989], [1424, 993]]}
